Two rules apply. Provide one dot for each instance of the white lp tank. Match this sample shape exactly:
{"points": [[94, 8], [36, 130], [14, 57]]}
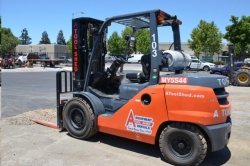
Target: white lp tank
{"points": [[175, 60]]}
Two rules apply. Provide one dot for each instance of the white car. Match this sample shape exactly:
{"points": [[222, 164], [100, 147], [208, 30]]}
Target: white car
{"points": [[23, 58], [135, 58], [200, 65]]}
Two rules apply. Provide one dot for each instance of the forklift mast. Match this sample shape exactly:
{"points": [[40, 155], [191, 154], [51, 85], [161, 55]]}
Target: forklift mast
{"points": [[231, 62], [84, 33]]}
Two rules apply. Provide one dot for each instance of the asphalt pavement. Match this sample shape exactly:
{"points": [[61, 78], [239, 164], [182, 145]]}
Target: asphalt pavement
{"points": [[28, 89]]}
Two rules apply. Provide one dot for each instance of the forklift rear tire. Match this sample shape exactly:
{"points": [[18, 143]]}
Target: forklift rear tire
{"points": [[183, 144], [79, 119], [242, 77]]}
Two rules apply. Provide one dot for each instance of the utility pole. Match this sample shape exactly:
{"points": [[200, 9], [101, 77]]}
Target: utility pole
{"points": [[231, 62]]}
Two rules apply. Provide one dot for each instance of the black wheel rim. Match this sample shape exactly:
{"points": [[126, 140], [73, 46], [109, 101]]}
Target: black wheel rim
{"points": [[77, 118], [181, 145]]}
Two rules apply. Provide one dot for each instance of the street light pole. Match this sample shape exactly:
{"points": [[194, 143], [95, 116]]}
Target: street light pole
{"points": [[76, 13]]}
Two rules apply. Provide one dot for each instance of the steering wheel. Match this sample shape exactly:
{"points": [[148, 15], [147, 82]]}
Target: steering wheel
{"points": [[121, 58]]}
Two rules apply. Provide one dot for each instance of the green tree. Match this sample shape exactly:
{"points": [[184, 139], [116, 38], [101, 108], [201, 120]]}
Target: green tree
{"points": [[239, 33], [115, 44], [142, 38], [0, 34], [24, 38], [69, 44], [9, 41], [237, 50], [60, 38], [45, 38], [206, 37], [195, 43], [127, 32]]}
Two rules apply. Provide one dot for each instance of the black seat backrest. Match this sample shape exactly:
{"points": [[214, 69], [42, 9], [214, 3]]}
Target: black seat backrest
{"points": [[146, 64], [145, 74], [97, 79]]}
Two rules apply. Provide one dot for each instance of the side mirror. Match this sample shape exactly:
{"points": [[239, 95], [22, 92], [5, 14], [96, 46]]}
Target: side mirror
{"points": [[127, 37], [132, 41]]}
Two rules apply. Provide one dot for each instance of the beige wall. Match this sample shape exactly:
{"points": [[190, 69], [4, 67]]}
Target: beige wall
{"points": [[53, 50], [184, 47]]}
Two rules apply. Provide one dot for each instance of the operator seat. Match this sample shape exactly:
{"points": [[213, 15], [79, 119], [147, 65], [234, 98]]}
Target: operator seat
{"points": [[97, 79], [101, 79], [143, 76]]}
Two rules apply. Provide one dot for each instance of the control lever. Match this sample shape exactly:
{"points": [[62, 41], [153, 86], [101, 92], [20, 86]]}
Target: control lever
{"points": [[116, 65]]}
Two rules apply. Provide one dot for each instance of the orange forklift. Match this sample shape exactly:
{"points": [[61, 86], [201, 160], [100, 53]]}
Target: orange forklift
{"points": [[187, 114]]}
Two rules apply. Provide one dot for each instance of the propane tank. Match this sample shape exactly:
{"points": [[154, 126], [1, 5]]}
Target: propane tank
{"points": [[175, 60]]}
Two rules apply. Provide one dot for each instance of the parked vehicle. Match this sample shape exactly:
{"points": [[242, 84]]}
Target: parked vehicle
{"points": [[200, 65], [32, 56], [225, 69], [247, 60], [109, 59], [43, 56], [65, 59], [27, 56], [193, 57], [22, 58], [8, 61], [135, 58]]}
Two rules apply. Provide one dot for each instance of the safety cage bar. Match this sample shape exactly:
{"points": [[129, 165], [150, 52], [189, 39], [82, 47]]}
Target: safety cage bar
{"points": [[164, 19]]}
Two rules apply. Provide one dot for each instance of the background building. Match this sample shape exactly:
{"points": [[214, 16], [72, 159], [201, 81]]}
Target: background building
{"points": [[51, 50], [54, 51], [184, 47]]}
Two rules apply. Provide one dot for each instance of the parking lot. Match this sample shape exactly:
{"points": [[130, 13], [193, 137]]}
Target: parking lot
{"points": [[25, 143]]}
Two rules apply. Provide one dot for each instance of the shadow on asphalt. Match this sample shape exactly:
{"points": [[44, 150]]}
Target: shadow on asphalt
{"points": [[217, 158], [212, 159], [127, 144]]}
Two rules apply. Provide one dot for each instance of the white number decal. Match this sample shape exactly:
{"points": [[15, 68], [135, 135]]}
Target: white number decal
{"points": [[174, 80], [154, 45]]}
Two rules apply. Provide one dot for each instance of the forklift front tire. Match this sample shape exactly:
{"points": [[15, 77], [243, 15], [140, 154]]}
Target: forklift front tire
{"points": [[183, 144], [79, 119]]}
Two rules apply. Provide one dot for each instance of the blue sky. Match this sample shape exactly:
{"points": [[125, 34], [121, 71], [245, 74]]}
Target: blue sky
{"points": [[54, 15]]}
